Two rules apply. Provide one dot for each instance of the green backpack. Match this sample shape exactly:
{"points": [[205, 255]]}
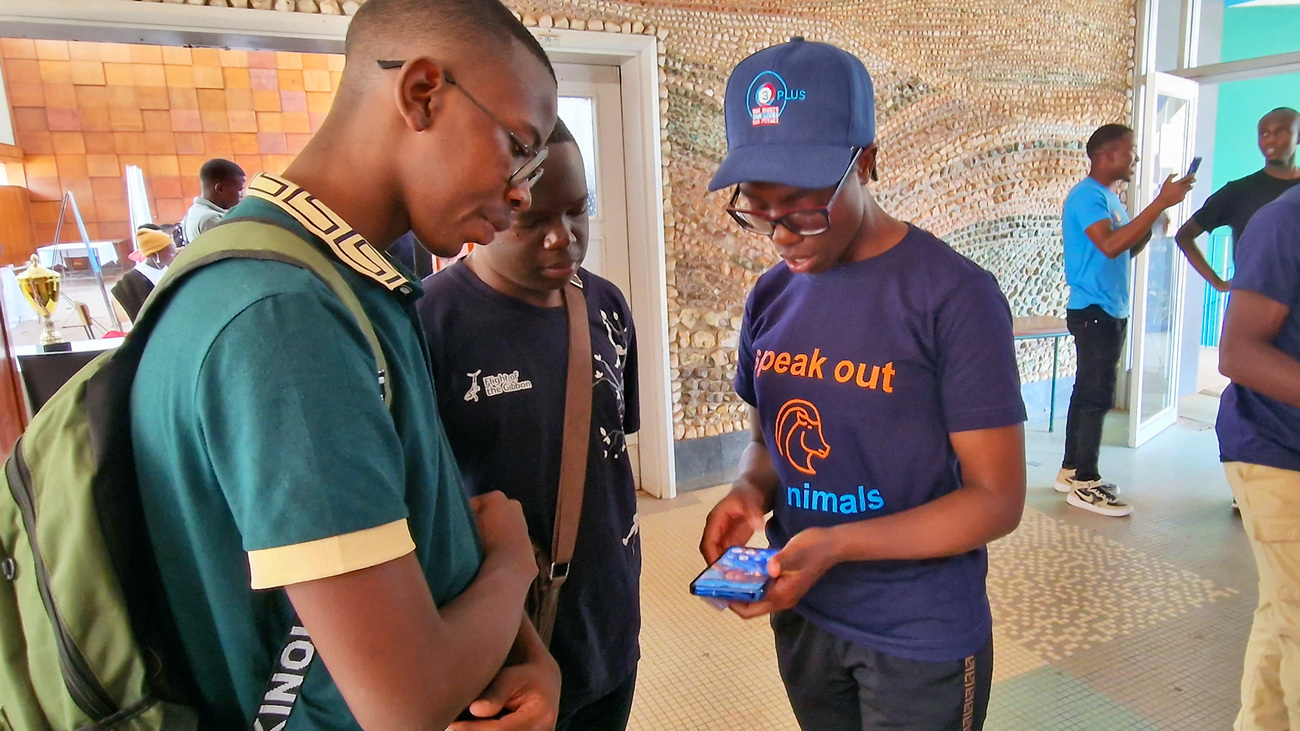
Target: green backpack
{"points": [[85, 637]]}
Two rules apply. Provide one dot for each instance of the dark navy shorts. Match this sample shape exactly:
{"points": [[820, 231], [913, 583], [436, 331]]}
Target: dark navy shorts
{"points": [[836, 685]]}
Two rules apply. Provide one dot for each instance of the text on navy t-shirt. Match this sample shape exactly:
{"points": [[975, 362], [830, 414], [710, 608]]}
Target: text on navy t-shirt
{"points": [[859, 376]]}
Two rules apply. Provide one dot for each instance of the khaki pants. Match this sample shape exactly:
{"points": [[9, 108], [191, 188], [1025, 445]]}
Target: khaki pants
{"points": [[1269, 499]]}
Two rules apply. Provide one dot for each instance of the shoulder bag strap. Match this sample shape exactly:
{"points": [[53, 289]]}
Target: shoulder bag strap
{"points": [[577, 434]]}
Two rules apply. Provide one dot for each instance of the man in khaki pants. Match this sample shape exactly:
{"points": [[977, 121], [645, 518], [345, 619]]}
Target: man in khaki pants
{"points": [[1259, 440]]}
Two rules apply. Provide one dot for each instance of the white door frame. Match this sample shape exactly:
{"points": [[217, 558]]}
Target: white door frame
{"points": [[607, 231], [636, 56], [1142, 427]]}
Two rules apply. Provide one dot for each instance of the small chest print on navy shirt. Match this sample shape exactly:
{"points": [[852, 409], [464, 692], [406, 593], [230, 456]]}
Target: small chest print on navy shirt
{"points": [[500, 370]]}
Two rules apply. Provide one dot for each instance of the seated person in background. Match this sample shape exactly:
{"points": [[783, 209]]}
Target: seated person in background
{"points": [[502, 398], [154, 251], [223, 187]]}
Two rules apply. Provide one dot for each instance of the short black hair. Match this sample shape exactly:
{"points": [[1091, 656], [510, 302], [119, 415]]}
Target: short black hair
{"points": [[1288, 111], [1106, 134], [150, 226], [218, 170], [480, 20], [560, 134]]}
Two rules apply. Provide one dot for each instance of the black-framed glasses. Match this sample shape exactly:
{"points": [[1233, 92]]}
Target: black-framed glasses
{"points": [[531, 170], [804, 222]]}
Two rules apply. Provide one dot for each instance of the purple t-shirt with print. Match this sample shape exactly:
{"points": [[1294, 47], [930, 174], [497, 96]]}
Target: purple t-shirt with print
{"points": [[859, 376]]}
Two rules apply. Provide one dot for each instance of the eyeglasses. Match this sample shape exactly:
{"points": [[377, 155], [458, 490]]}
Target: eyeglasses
{"points": [[531, 170], [805, 222]]}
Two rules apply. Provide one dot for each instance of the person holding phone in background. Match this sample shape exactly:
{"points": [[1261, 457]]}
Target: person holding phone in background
{"points": [[1100, 242], [1236, 203], [885, 408]]}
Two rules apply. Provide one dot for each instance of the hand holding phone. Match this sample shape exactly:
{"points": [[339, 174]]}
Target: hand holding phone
{"points": [[740, 575]]}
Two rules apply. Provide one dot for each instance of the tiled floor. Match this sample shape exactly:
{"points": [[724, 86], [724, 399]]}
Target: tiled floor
{"points": [[1101, 624]]}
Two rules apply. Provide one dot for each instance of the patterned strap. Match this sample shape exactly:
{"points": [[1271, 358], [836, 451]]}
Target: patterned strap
{"points": [[348, 245]]}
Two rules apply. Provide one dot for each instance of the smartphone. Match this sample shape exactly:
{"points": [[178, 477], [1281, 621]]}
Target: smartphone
{"points": [[739, 576], [1196, 165]]}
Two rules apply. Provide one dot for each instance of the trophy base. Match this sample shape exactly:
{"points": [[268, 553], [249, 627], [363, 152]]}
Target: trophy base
{"points": [[63, 347]]}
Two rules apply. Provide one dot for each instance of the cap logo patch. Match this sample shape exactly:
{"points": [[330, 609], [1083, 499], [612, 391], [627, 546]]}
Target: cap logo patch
{"points": [[767, 97]]}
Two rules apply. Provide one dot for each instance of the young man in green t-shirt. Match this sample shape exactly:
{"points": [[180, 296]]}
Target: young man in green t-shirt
{"points": [[277, 482]]}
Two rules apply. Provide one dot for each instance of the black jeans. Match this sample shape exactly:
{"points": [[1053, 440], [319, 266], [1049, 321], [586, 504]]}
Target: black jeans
{"points": [[1099, 342], [609, 713]]}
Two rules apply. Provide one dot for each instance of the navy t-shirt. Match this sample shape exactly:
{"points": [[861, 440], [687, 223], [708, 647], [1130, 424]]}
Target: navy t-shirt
{"points": [[1252, 427], [859, 376], [500, 368]]}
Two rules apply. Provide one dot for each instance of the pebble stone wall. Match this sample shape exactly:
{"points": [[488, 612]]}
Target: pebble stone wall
{"points": [[983, 106]]}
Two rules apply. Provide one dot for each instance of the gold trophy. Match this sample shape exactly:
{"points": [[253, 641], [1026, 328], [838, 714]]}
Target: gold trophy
{"points": [[41, 288]]}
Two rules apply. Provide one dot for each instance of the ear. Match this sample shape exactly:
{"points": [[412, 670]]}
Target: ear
{"points": [[419, 91], [867, 164]]}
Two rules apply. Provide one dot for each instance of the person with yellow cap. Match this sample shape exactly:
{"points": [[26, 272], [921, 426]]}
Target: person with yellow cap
{"points": [[154, 251]]}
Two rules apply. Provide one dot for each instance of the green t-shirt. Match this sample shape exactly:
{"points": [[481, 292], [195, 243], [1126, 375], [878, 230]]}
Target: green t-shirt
{"points": [[266, 456]]}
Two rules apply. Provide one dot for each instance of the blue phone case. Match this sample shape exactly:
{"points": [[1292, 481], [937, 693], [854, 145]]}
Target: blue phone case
{"points": [[740, 575]]}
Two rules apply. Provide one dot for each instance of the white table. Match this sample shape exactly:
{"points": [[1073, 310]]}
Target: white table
{"points": [[94, 347], [1049, 328], [53, 254]]}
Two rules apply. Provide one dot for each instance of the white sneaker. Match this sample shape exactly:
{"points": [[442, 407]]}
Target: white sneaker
{"points": [[1066, 483], [1064, 478], [1100, 498]]}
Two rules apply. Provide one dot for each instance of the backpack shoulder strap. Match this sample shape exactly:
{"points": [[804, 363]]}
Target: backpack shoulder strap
{"points": [[266, 241]]}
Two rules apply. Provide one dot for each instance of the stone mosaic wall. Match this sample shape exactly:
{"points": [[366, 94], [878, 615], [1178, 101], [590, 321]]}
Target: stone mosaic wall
{"points": [[983, 106]]}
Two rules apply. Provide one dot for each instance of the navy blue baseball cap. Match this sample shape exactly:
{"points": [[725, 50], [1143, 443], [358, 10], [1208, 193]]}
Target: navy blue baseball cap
{"points": [[795, 113]]}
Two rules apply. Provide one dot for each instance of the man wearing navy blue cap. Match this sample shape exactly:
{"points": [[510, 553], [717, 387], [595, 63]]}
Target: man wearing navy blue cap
{"points": [[885, 409]]}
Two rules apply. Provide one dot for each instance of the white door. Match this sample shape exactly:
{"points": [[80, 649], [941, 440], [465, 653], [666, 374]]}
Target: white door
{"points": [[1167, 148], [591, 106]]}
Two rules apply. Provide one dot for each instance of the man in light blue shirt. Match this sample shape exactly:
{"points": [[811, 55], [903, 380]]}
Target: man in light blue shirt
{"points": [[1100, 241], [1094, 277]]}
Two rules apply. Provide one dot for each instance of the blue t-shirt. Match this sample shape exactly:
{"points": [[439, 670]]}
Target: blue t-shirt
{"points": [[1094, 278], [859, 376], [1252, 427]]}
